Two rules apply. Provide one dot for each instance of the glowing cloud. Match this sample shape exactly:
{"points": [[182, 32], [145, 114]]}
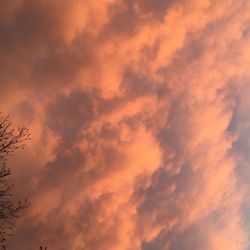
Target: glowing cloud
{"points": [[135, 110]]}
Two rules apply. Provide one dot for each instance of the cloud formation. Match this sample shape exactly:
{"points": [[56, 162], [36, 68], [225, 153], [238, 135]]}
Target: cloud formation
{"points": [[136, 111]]}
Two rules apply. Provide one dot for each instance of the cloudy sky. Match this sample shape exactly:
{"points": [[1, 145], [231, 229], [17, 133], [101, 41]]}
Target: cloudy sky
{"points": [[139, 115]]}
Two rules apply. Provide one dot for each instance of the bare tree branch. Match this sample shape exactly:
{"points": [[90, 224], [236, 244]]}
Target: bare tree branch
{"points": [[10, 140]]}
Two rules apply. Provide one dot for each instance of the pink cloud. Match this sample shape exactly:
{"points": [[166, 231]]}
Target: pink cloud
{"points": [[130, 106]]}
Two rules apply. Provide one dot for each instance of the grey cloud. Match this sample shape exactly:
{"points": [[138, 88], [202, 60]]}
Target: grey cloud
{"points": [[67, 116], [240, 127], [33, 48], [157, 8], [186, 241], [124, 21]]}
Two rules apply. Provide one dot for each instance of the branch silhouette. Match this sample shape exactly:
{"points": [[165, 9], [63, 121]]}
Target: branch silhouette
{"points": [[11, 139]]}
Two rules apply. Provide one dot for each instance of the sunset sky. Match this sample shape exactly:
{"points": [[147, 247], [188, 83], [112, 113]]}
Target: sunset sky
{"points": [[139, 113]]}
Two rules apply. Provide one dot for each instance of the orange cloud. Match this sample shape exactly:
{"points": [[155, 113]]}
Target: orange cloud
{"points": [[130, 105]]}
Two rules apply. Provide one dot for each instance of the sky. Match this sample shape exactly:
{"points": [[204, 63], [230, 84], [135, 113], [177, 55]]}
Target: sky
{"points": [[139, 117]]}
